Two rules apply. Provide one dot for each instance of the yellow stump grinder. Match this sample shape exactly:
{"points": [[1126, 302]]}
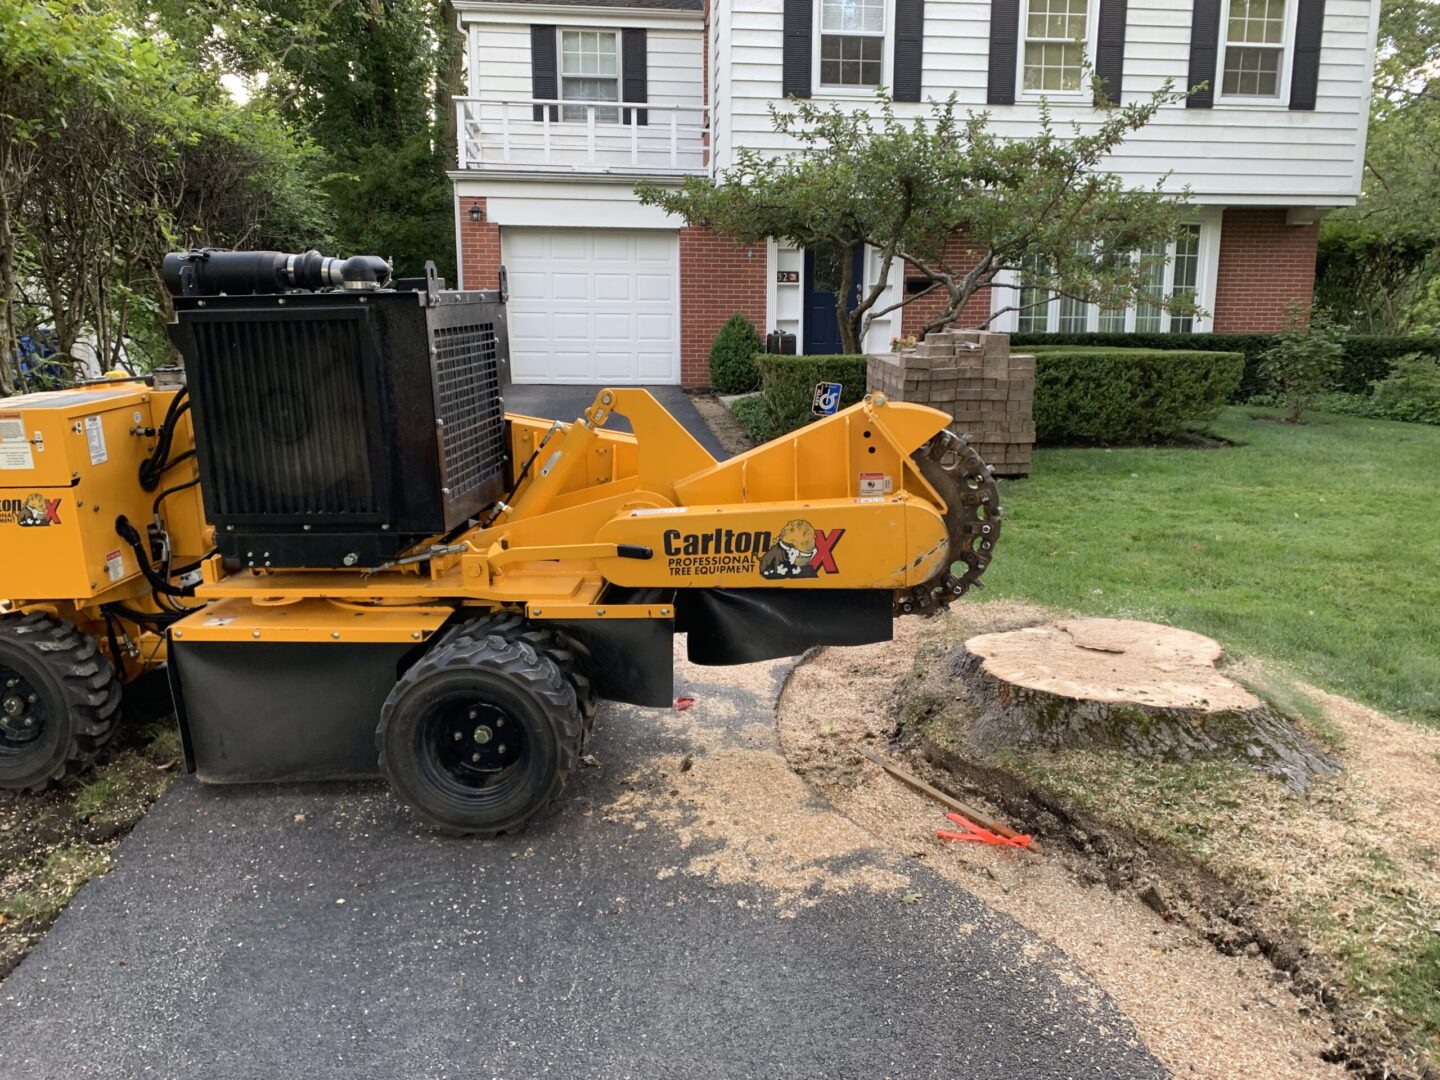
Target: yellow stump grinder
{"points": [[349, 559]]}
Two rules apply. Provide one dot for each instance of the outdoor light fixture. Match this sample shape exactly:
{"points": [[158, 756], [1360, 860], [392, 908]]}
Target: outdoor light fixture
{"points": [[476, 214]]}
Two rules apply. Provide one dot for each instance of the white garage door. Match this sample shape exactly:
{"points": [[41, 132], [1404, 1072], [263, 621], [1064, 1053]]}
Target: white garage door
{"points": [[593, 305]]}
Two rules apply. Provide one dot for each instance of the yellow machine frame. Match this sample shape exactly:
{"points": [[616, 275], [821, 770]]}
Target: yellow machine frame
{"points": [[598, 508]]}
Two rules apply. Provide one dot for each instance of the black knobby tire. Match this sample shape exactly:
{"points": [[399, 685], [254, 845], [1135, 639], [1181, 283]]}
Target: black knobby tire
{"points": [[572, 658], [430, 744], [58, 680]]}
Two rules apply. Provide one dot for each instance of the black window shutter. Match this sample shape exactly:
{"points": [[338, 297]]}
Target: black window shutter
{"points": [[909, 49], [797, 76], [634, 73], [544, 73], [1110, 50], [1204, 53], [1305, 79], [1004, 48]]}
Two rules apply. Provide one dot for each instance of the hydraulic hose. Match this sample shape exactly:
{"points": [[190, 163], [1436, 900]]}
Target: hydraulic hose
{"points": [[127, 532], [141, 618], [153, 467]]}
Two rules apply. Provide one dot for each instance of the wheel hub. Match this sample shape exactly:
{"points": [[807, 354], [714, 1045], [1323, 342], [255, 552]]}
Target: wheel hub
{"points": [[20, 718], [480, 744]]}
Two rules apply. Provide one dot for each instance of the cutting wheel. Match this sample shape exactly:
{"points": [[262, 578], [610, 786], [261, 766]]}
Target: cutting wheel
{"points": [[972, 518]]}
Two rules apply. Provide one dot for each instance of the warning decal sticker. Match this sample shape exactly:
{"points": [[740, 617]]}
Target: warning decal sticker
{"points": [[14, 446], [95, 439], [875, 483]]}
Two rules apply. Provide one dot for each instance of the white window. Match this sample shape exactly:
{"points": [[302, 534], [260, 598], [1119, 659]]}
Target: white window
{"points": [[1034, 315], [1169, 270], [852, 42], [589, 71], [1056, 33], [1254, 55]]}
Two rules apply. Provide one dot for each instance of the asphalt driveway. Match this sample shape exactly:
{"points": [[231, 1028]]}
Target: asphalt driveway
{"points": [[568, 402], [690, 908]]}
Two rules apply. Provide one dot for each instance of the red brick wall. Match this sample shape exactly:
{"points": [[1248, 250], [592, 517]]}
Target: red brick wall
{"points": [[914, 315], [717, 278], [479, 247], [1265, 265]]}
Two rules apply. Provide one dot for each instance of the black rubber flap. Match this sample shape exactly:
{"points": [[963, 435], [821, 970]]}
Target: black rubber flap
{"points": [[742, 626], [629, 660], [271, 711]]}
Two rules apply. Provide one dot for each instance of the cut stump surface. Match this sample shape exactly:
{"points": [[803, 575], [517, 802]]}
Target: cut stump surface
{"points": [[1140, 687]]}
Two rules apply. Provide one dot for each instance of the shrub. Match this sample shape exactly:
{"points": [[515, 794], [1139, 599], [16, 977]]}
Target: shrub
{"points": [[1410, 393], [1118, 396], [1303, 361], [1366, 361], [732, 357], [753, 416], [787, 386]]}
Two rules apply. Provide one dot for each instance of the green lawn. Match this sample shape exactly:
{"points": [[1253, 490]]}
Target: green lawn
{"points": [[1316, 545]]}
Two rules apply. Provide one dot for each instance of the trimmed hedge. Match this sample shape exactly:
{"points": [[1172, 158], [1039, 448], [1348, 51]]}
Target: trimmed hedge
{"points": [[1120, 396], [787, 386], [1367, 359]]}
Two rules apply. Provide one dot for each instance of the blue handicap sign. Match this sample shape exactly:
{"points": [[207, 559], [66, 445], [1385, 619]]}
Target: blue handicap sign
{"points": [[827, 399]]}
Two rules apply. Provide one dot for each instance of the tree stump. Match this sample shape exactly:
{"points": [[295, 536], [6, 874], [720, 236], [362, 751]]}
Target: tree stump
{"points": [[1145, 689]]}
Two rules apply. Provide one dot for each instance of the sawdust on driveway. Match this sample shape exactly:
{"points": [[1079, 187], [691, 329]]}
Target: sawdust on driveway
{"points": [[1204, 1015], [741, 815]]}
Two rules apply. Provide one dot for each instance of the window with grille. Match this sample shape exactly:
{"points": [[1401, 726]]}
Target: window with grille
{"points": [[589, 71], [1055, 35], [1034, 296], [1169, 270], [852, 42], [1254, 49]]}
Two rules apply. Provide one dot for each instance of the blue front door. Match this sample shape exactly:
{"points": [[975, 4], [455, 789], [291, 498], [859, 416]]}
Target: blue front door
{"points": [[822, 282]]}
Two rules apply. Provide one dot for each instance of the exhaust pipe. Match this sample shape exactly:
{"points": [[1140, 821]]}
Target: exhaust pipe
{"points": [[243, 273]]}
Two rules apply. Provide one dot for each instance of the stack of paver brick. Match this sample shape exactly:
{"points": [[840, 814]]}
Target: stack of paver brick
{"points": [[971, 375]]}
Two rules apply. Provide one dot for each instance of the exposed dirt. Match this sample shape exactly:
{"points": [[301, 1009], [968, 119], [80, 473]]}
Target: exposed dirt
{"points": [[728, 431], [1222, 913], [52, 843]]}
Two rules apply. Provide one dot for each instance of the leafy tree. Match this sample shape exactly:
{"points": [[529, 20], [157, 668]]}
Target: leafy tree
{"points": [[370, 83], [1377, 260], [956, 203], [1303, 360], [113, 153]]}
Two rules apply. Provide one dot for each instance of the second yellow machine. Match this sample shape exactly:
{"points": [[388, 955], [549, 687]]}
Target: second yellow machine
{"points": [[352, 560]]}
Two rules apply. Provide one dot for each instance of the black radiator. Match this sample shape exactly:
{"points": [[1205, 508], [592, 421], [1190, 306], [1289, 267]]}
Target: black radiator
{"points": [[343, 428]]}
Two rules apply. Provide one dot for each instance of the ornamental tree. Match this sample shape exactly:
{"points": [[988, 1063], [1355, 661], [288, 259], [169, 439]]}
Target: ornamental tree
{"points": [[955, 202]]}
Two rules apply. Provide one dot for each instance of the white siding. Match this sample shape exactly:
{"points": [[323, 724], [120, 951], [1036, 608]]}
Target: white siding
{"points": [[1229, 154], [500, 62], [720, 76]]}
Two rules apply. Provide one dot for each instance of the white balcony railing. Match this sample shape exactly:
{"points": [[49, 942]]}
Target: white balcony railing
{"points": [[500, 133]]}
